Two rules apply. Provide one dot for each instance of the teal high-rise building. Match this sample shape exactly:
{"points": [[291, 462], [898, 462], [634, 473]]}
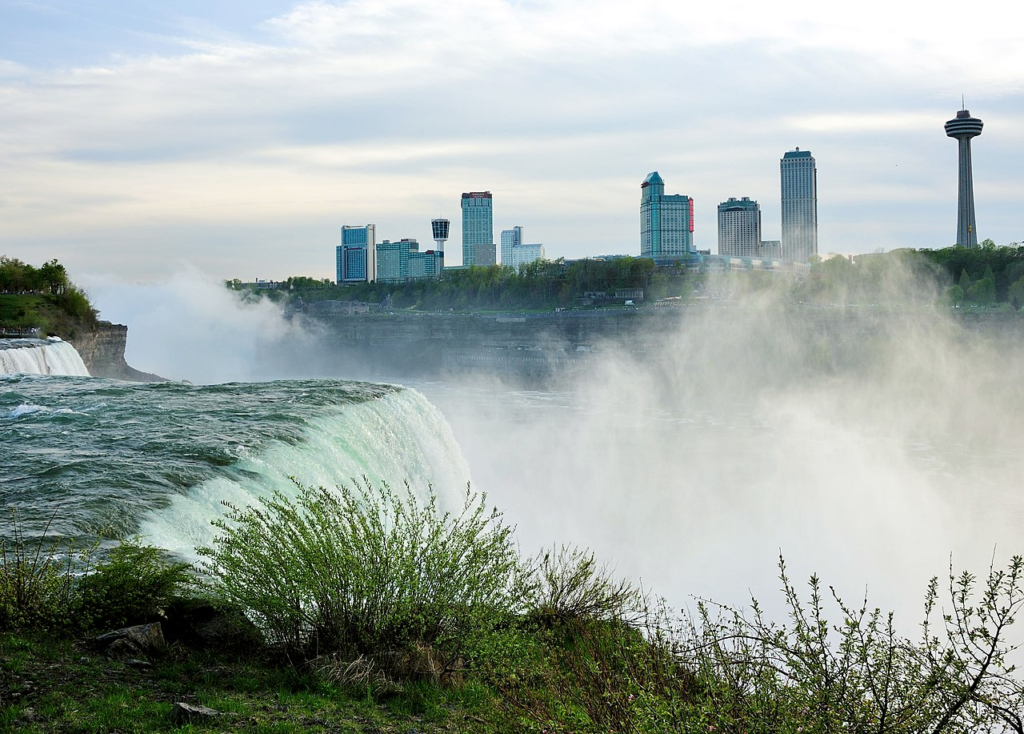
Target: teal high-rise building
{"points": [[477, 229], [666, 220], [799, 205]]}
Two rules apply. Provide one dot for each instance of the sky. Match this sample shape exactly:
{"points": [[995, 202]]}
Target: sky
{"points": [[236, 138]]}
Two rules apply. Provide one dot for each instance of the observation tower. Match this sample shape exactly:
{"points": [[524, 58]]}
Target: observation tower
{"points": [[964, 127], [439, 228]]}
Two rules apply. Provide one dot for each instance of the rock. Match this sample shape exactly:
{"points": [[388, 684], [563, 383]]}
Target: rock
{"points": [[29, 715], [186, 713], [203, 625], [133, 641], [136, 663], [122, 648], [102, 350]]}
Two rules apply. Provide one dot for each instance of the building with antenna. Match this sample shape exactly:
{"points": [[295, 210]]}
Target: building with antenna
{"points": [[963, 127], [799, 205]]}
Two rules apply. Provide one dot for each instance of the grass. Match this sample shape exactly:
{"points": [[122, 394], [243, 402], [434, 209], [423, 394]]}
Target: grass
{"points": [[61, 315], [51, 685], [378, 613]]}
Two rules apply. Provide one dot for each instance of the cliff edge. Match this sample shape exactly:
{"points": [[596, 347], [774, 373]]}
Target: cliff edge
{"points": [[102, 350]]}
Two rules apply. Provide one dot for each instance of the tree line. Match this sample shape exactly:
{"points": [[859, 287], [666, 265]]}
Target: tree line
{"points": [[541, 284], [987, 276], [42, 298], [22, 278]]}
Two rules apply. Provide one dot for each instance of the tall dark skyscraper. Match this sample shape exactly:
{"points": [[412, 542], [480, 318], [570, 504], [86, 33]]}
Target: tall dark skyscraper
{"points": [[963, 127], [799, 205]]}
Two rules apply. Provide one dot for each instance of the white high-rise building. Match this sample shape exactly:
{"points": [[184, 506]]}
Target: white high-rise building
{"points": [[739, 228], [510, 238], [523, 254]]}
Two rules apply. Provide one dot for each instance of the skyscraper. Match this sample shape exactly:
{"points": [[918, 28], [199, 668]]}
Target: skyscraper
{"points": [[356, 256], [964, 127], [799, 205], [739, 228], [477, 229], [510, 239], [666, 220]]}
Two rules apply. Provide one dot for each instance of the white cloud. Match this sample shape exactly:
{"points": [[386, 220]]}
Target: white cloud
{"points": [[551, 105]]}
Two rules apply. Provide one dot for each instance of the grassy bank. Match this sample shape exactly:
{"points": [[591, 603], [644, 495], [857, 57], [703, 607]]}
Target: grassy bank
{"points": [[64, 315], [62, 685], [365, 609]]}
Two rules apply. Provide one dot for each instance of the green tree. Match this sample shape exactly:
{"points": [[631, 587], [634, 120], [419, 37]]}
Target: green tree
{"points": [[965, 280], [982, 292], [1016, 293]]}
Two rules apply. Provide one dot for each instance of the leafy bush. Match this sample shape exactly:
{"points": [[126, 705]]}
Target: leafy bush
{"points": [[571, 585], [37, 582], [48, 585], [131, 586], [861, 675], [366, 571]]}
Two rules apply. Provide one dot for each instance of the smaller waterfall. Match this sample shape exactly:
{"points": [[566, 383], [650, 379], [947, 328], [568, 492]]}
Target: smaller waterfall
{"points": [[40, 357]]}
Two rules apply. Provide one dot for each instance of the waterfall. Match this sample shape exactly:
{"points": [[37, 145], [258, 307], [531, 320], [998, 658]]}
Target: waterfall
{"points": [[394, 438], [40, 357]]}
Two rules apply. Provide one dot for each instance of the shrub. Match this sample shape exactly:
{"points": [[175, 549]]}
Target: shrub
{"points": [[37, 582], [131, 586], [812, 675], [364, 570], [569, 584]]}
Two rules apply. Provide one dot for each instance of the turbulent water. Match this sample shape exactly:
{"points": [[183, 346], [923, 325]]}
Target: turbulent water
{"points": [[869, 448], [158, 459]]}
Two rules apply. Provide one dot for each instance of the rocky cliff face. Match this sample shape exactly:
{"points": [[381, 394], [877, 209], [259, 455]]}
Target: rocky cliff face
{"points": [[102, 350]]}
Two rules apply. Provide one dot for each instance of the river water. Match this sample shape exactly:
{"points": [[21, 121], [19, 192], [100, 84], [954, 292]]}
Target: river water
{"points": [[870, 455]]}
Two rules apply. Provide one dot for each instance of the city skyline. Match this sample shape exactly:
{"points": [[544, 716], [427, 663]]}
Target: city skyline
{"points": [[223, 137]]}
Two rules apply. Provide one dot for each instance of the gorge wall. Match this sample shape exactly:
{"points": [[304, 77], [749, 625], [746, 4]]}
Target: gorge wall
{"points": [[102, 350], [532, 346]]}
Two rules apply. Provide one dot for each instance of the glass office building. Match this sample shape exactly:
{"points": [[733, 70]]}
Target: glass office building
{"points": [[356, 256], [477, 228]]}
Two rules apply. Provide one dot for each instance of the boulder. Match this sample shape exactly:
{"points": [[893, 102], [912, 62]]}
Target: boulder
{"points": [[142, 639]]}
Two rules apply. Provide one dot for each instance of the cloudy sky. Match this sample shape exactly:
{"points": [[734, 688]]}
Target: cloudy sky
{"points": [[140, 137]]}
